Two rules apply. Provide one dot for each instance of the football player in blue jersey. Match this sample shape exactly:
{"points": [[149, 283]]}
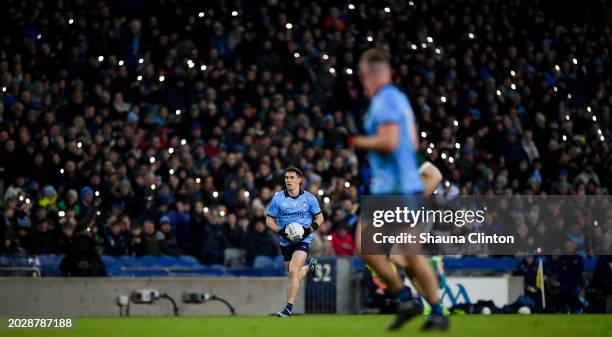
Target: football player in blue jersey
{"points": [[294, 205], [391, 142]]}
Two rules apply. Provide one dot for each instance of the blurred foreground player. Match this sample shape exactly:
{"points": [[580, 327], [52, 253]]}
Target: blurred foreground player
{"points": [[288, 206], [391, 141]]}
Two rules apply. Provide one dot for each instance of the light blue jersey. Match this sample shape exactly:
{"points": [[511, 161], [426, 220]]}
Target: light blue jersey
{"points": [[396, 172], [287, 209]]}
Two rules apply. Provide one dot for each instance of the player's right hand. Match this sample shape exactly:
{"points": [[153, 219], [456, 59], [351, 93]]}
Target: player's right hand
{"points": [[282, 234]]}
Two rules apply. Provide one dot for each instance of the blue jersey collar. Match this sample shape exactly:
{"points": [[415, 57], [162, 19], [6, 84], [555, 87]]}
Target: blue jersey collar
{"points": [[290, 196]]}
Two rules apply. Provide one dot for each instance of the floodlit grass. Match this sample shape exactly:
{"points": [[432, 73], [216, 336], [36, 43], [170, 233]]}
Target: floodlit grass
{"points": [[327, 326]]}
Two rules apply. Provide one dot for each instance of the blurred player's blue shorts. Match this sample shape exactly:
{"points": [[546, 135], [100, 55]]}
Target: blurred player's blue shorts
{"points": [[287, 251]]}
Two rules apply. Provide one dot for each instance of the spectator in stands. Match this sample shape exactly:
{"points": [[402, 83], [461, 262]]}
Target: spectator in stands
{"points": [[115, 241], [70, 203], [8, 230], [213, 242], [168, 244], [342, 241], [150, 239], [41, 240], [260, 242], [136, 244], [321, 243]]}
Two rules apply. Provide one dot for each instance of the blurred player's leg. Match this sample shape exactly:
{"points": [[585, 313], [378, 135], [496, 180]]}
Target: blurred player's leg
{"points": [[408, 307]]}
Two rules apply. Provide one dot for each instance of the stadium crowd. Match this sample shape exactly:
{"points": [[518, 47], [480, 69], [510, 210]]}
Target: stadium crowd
{"points": [[165, 128]]}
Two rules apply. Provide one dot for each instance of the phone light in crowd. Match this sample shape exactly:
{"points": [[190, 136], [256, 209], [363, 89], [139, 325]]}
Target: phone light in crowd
{"points": [[3, 89], [153, 187], [100, 58], [171, 150], [369, 38], [431, 145], [79, 145], [564, 138], [438, 51], [457, 146], [329, 238], [198, 180], [97, 193], [162, 78], [234, 13], [555, 89], [594, 118], [222, 213], [332, 71], [288, 25], [387, 10], [451, 160], [140, 60], [513, 86], [152, 160], [569, 96], [246, 194], [429, 150], [410, 3], [178, 112], [190, 64], [98, 213], [557, 68], [70, 21], [601, 138], [447, 184], [21, 198], [203, 67], [201, 14], [349, 71], [205, 209], [62, 171], [347, 184], [39, 36], [430, 39], [121, 63], [588, 108], [443, 99], [512, 73], [574, 61], [326, 200], [424, 45], [215, 194], [414, 47], [320, 192], [28, 201], [139, 78], [351, 6], [325, 57], [498, 92], [423, 134], [171, 171], [471, 35], [61, 214], [443, 155], [455, 123], [296, 55], [183, 141], [567, 118], [599, 131]]}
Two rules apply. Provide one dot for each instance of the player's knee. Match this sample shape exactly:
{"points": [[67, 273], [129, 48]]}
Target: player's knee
{"points": [[293, 272]]}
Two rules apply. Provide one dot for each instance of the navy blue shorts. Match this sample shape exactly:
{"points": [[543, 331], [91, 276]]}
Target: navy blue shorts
{"points": [[287, 251]]}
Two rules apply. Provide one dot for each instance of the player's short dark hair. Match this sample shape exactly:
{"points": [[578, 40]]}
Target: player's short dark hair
{"points": [[374, 56], [295, 170]]}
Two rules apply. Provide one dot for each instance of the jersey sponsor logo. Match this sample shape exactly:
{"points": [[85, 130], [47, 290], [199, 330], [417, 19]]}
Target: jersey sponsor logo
{"points": [[293, 214]]}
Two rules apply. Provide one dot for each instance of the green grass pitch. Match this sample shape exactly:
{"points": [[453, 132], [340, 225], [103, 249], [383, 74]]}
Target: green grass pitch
{"points": [[328, 326]]}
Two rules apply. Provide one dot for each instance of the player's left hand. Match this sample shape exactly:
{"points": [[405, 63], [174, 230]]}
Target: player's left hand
{"points": [[307, 231]]}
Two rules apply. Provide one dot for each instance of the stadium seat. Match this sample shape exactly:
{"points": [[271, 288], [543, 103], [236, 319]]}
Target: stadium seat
{"points": [[234, 257]]}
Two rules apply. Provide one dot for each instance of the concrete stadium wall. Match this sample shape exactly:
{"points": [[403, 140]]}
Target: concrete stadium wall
{"points": [[72, 297]]}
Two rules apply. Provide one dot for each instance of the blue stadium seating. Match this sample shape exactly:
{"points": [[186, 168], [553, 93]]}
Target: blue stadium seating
{"points": [[190, 266]]}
